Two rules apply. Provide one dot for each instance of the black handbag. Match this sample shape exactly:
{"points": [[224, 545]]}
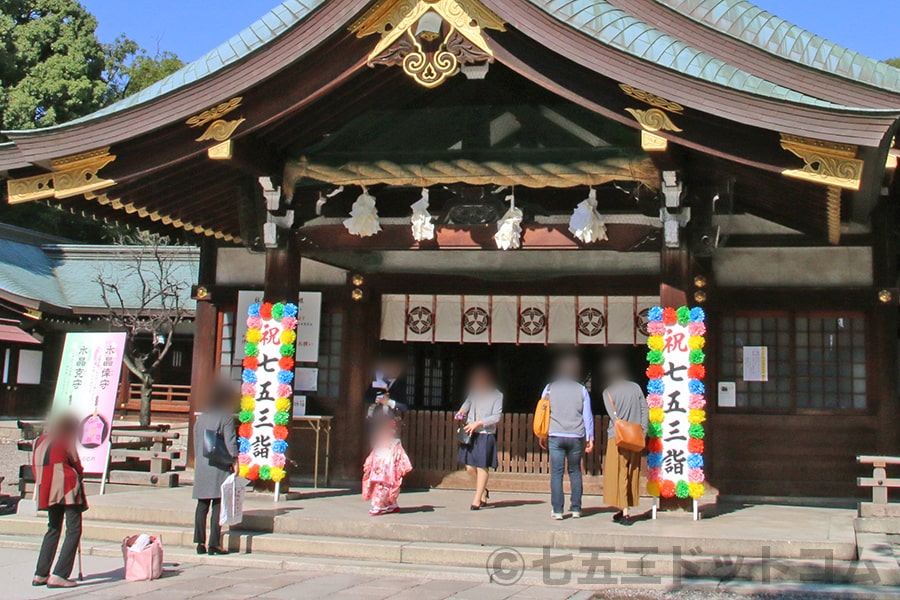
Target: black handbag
{"points": [[215, 451], [463, 437]]}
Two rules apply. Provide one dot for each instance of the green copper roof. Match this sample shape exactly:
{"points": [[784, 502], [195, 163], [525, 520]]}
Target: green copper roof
{"points": [[617, 28], [260, 33], [751, 24], [603, 22]]}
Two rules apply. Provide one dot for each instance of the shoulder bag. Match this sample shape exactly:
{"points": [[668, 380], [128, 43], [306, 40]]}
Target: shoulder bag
{"points": [[629, 436], [215, 451]]}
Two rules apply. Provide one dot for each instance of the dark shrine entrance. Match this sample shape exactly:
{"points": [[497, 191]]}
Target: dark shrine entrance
{"points": [[436, 373], [436, 388]]}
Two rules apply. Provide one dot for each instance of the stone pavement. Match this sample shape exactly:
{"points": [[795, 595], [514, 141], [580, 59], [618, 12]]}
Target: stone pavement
{"points": [[183, 580]]}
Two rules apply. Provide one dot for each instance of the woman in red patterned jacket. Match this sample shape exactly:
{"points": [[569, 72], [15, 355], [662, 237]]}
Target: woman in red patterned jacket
{"points": [[60, 491]]}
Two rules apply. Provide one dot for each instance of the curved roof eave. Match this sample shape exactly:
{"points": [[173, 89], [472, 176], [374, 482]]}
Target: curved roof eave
{"points": [[618, 29], [752, 25], [255, 37]]}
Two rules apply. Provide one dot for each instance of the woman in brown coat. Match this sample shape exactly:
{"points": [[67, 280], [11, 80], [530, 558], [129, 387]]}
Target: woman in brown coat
{"points": [[625, 400]]}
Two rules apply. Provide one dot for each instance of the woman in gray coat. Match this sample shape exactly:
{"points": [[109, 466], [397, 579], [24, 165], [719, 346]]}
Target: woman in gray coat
{"points": [[208, 474], [481, 412]]}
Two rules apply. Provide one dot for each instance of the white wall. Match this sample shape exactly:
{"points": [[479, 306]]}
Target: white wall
{"points": [[793, 267], [239, 267]]}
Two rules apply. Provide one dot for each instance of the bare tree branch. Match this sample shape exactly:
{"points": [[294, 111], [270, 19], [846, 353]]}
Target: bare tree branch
{"points": [[145, 297]]}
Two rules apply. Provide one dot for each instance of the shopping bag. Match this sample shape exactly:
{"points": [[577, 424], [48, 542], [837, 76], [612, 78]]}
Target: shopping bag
{"points": [[232, 500], [143, 556]]}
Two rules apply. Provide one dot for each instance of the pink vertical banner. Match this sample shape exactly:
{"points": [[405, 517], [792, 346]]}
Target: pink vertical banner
{"points": [[87, 386]]}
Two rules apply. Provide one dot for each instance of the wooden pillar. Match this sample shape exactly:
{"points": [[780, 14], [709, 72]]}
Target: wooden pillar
{"points": [[884, 322], [203, 364], [360, 347], [283, 270], [203, 356]]}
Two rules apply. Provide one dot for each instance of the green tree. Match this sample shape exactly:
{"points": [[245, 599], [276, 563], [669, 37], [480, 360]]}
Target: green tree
{"points": [[145, 70], [51, 63], [53, 69], [894, 62]]}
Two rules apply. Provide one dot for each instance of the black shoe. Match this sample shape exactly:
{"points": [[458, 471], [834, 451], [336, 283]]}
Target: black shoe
{"points": [[201, 548], [487, 496], [475, 507], [217, 551], [618, 516], [627, 521]]}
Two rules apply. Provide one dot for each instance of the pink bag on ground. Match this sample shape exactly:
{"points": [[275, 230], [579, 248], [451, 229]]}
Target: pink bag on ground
{"points": [[145, 564]]}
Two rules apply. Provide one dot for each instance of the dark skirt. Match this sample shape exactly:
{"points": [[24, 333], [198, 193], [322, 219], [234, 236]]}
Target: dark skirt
{"points": [[482, 452]]}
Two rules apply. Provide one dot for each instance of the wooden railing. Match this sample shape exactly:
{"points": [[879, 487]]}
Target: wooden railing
{"points": [[430, 439], [163, 398], [880, 484]]}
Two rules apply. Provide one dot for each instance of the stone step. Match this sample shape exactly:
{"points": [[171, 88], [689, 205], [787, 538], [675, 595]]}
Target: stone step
{"points": [[394, 529], [631, 565]]}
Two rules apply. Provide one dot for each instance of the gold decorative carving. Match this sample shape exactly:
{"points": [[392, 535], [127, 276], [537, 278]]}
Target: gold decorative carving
{"points": [[223, 151], [220, 130], [27, 189], [651, 142], [72, 175], [430, 39], [215, 113], [826, 163], [651, 99], [833, 212], [653, 120]]}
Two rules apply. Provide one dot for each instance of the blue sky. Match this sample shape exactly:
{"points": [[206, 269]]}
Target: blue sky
{"points": [[192, 27]]}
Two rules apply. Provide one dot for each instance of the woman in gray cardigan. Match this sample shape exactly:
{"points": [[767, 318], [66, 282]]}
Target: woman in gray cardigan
{"points": [[481, 411], [208, 477]]}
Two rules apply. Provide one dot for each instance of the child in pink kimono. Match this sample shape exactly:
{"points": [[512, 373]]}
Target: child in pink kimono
{"points": [[384, 470]]}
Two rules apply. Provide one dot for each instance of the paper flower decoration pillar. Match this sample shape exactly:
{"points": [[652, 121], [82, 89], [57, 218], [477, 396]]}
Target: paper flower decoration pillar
{"points": [[677, 400], [363, 219], [267, 390], [586, 223], [422, 227], [509, 228]]}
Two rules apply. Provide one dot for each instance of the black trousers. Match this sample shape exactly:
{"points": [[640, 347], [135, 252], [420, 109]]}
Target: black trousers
{"points": [[210, 508], [66, 560]]}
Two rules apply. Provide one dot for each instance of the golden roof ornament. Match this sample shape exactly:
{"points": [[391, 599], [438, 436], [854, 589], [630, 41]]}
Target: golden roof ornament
{"points": [[429, 39]]}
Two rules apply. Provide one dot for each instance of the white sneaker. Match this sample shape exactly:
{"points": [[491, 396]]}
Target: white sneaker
{"points": [[576, 514], [557, 516]]}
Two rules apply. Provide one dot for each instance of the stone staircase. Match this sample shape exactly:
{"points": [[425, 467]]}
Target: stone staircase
{"points": [[273, 538], [515, 538]]}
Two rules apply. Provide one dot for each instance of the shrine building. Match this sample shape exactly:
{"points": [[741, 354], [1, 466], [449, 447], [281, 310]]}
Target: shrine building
{"points": [[491, 181]]}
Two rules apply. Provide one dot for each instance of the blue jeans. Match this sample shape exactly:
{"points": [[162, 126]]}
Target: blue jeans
{"points": [[565, 450]]}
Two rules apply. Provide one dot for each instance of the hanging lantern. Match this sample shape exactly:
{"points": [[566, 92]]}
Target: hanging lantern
{"points": [[363, 219], [422, 227], [586, 223], [509, 228]]}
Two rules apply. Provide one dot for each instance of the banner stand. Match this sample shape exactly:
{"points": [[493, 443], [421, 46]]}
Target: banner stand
{"points": [[696, 509], [277, 491], [105, 475]]}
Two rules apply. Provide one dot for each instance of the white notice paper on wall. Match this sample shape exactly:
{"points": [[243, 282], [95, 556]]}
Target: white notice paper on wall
{"points": [[727, 396], [299, 406], [306, 379], [756, 363]]}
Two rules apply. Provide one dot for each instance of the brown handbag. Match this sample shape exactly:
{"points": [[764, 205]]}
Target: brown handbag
{"points": [[629, 436]]}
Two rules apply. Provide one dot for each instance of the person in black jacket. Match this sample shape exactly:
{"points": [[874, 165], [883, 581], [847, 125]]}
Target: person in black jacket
{"points": [[386, 396]]}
